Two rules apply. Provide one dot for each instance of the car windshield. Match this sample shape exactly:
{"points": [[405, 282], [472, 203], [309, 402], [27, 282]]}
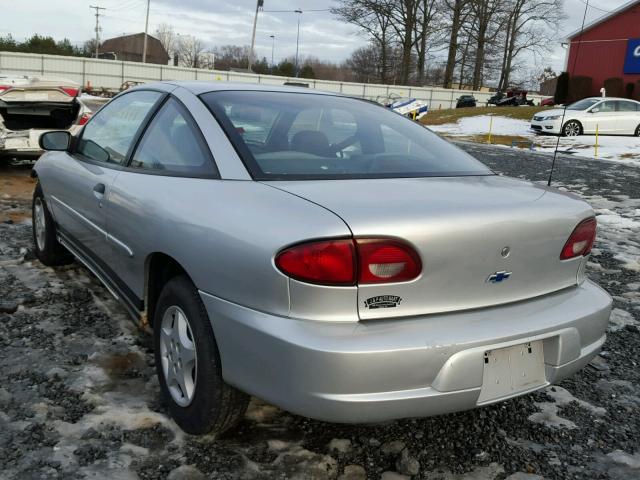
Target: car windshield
{"points": [[583, 104], [295, 136]]}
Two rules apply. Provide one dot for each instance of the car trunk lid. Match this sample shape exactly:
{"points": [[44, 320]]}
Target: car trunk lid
{"points": [[483, 240]]}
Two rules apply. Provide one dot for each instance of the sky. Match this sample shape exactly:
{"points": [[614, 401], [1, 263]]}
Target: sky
{"points": [[220, 22]]}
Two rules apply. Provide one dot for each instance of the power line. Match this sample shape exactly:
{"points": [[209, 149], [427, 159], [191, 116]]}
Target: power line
{"points": [[596, 8]]}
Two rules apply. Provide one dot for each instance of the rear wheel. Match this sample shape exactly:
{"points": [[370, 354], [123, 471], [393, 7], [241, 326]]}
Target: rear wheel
{"points": [[572, 129], [638, 131], [45, 242], [188, 363]]}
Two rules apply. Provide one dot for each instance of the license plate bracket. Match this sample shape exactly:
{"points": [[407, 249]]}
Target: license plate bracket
{"points": [[511, 371]]}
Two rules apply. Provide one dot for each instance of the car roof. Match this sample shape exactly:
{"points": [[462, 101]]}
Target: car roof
{"points": [[198, 87], [611, 98]]}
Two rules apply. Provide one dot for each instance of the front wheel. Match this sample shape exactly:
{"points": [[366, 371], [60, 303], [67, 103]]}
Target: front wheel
{"points": [[638, 131], [45, 242], [572, 129], [188, 363]]}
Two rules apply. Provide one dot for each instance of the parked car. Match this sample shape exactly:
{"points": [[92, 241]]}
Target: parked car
{"points": [[466, 101], [336, 259], [516, 97], [30, 106], [609, 116], [495, 99], [548, 102]]}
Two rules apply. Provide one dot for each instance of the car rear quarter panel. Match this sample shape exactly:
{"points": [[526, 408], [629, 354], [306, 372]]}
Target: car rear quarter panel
{"points": [[224, 233]]}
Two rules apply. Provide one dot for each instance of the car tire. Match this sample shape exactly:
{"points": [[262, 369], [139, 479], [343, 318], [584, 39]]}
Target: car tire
{"points": [[45, 238], [188, 363], [638, 131], [572, 129]]}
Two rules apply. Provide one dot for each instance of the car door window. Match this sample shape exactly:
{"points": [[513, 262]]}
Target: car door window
{"points": [[110, 133], [606, 107], [627, 106], [173, 144]]}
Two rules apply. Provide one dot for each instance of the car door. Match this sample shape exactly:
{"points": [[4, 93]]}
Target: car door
{"points": [[627, 117], [602, 117], [152, 200], [83, 177]]}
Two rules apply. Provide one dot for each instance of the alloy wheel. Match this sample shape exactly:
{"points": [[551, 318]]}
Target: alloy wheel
{"points": [[178, 355], [572, 129], [39, 223]]}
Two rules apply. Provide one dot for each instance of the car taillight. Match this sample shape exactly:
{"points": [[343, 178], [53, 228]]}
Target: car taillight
{"points": [[386, 261], [4, 87], [84, 118], [581, 240], [72, 92], [350, 262], [325, 262]]}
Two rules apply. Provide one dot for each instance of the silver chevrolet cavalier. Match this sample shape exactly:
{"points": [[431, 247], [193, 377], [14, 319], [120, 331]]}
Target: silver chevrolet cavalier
{"points": [[320, 252]]}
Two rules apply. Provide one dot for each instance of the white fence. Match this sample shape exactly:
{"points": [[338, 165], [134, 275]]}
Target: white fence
{"points": [[111, 74]]}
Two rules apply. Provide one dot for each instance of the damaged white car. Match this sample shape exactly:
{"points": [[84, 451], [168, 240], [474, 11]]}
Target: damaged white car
{"points": [[30, 106]]}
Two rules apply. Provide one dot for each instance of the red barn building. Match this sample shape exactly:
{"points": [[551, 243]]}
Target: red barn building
{"points": [[608, 47]]}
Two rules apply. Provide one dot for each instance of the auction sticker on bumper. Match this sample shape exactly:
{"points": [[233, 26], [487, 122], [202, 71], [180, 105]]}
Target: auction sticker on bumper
{"points": [[512, 370]]}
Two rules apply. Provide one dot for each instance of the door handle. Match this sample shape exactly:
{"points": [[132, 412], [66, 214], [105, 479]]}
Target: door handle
{"points": [[98, 192]]}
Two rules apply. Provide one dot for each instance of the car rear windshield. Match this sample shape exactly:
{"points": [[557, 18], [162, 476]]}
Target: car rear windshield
{"points": [[295, 136]]}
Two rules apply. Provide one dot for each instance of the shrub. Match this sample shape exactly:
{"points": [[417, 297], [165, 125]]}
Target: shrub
{"points": [[629, 90], [614, 87], [579, 87], [562, 89]]}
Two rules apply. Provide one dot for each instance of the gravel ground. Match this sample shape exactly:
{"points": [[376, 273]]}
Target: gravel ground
{"points": [[79, 397]]}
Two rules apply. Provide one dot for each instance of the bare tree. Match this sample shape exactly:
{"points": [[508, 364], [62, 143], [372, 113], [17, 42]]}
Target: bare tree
{"points": [[167, 37], [374, 18], [458, 12], [190, 51], [528, 27], [232, 56], [429, 12], [488, 23]]}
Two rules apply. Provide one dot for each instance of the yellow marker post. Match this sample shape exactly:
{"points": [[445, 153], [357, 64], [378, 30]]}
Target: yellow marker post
{"points": [[597, 135], [490, 129], [415, 112]]}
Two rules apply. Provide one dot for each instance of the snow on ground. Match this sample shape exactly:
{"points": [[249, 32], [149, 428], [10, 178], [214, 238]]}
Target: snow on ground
{"points": [[480, 126], [625, 149]]}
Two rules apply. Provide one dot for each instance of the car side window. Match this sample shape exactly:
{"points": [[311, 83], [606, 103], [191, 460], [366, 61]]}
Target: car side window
{"points": [[111, 132], [607, 107], [627, 106], [172, 144]]}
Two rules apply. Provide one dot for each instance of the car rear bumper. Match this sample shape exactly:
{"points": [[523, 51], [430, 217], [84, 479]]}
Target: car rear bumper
{"points": [[387, 369]]}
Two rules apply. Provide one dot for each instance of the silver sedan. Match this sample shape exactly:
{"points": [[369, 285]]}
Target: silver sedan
{"points": [[320, 252]]}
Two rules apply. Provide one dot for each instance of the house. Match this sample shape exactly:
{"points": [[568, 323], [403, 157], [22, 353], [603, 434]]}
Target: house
{"points": [[129, 48], [609, 47]]}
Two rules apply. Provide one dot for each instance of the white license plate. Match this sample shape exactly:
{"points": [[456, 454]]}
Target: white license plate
{"points": [[512, 370]]}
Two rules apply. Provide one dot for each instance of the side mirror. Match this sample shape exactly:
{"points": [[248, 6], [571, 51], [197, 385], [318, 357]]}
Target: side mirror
{"points": [[55, 141], [594, 110]]}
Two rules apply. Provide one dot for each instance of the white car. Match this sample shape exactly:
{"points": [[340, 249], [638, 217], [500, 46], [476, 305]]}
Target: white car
{"points": [[609, 116], [30, 106]]}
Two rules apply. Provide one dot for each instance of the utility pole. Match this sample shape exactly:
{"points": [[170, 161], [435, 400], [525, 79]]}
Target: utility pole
{"points": [[259, 5], [146, 30], [273, 46], [299, 12], [97, 8]]}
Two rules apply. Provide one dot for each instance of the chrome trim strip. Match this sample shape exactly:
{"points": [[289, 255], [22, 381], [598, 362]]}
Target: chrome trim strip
{"points": [[120, 244]]}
